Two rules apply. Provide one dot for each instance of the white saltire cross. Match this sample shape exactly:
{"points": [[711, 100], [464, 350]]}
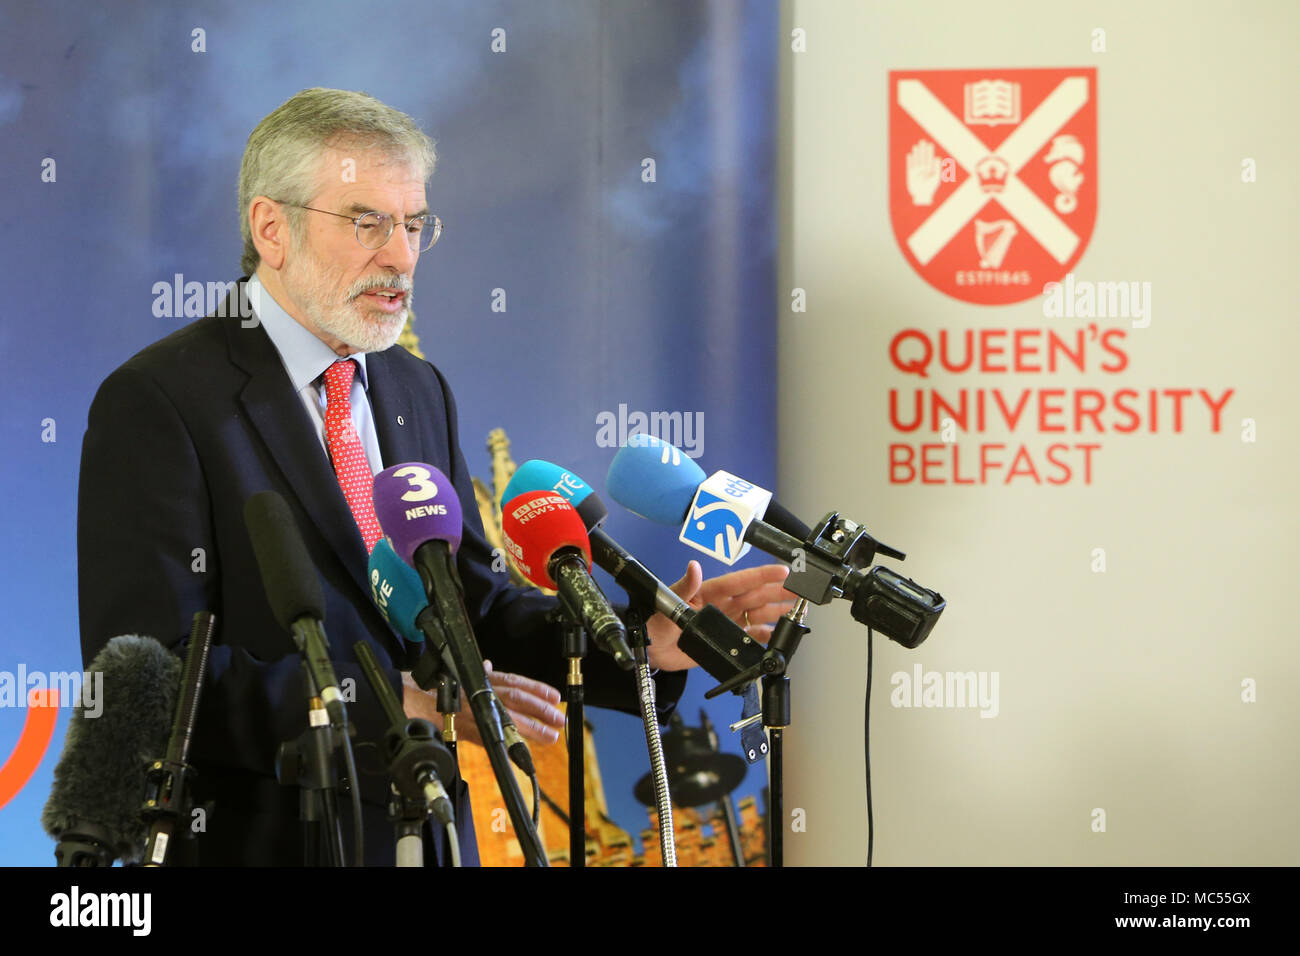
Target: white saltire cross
{"points": [[968, 150]]}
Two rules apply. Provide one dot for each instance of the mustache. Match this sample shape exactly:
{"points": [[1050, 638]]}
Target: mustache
{"points": [[401, 283]]}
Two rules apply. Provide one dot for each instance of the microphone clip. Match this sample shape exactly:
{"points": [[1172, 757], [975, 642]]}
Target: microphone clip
{"points": [[833, 550]]}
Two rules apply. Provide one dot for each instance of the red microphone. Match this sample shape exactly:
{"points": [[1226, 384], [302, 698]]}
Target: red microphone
{"points": [[548, 541]]}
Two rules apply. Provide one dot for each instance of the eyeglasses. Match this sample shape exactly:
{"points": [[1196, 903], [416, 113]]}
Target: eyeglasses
{"points": [[375, 228]]}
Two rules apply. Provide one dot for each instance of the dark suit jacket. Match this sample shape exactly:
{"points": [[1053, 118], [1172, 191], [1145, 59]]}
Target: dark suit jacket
{"points": [[178, 438]]}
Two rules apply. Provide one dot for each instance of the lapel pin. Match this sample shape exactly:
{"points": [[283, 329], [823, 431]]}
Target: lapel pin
{"points": [[401, 420]]}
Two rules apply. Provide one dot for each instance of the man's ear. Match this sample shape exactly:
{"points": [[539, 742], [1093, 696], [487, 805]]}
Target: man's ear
{"points": [[270, 226]]}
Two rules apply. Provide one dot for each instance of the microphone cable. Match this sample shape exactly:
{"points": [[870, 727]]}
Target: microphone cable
{"points": [[866, 747]]}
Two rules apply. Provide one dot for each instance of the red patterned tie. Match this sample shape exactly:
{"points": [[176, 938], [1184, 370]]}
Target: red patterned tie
{"points": [[347, 453]]}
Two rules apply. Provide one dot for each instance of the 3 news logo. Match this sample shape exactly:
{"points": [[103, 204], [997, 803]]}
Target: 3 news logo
{"points": [[723, 508]]}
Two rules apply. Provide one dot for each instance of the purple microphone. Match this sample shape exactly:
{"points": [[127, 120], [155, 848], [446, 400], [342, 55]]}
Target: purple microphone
{"points": [[415, 504], [418, 509]]}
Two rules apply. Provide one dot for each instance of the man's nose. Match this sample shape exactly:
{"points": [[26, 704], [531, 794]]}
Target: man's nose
{"points": [[397, 252]]}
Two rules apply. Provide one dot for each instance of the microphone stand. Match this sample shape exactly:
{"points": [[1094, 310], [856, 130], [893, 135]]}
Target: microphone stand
{"points": [[786, 635], [431, 671], [635, 619], [483, 707], [308, 762], [167, 797], [728, 806], [415, 758], [575, 649], [449, 705]]}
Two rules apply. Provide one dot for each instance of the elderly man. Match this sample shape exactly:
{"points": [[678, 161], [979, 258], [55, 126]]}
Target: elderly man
{"points": [[311, 399]]}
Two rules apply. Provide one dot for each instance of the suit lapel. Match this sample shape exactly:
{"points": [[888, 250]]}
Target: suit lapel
{"points": [[394, 411], [275, 410]]}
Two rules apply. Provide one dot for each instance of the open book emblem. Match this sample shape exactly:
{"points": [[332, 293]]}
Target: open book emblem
{"points": [[992, 102]]}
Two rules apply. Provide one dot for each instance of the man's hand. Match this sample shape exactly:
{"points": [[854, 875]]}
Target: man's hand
{"points": [[530, 702], [753, 598]]}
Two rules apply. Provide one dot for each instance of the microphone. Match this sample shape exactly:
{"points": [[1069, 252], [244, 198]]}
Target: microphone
{"points": [[723, 516], [418, 509], [665, 475], [720, 515], [550, 546], [709, 637], [727, 514], [294, 593], [399, 594], [538, 475], [94, 807], [397, 591], [168, 777]]}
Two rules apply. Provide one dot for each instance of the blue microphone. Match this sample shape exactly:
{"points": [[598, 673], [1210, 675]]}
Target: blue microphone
{"points": [[653, 479], [719, 515], [397, 591]]}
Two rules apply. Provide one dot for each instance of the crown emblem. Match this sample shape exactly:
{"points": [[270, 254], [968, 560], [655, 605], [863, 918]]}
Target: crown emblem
{"points": [[992, 173]]}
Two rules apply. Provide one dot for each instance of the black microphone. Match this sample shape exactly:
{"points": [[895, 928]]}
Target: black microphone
{"points": [[294, 593], [168, 778], [94, 807], [710, 638]]}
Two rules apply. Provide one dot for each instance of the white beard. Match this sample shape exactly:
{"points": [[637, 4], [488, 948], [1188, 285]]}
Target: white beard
{"points": [[350, 321]]}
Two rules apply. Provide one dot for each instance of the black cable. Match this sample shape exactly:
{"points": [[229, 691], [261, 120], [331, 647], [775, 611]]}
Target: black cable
{"points": [[350, 766], [866, 746]]}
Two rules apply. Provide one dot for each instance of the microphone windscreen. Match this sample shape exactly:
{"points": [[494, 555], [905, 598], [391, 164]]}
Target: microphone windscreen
{"points": [[397, 590], [292, 583], [101, 774], [535, 526], [415, 504], [538, 475], [654, 479]]}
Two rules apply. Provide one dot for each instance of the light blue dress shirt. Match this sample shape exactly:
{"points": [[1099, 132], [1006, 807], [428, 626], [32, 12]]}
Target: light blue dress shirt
{"points": [[305, 359]]}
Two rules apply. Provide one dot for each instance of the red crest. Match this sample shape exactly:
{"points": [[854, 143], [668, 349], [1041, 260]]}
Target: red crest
{"points": [[993, 177]]}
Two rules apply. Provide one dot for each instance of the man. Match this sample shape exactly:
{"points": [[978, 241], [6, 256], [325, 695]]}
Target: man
{"points": [[311, 400]]}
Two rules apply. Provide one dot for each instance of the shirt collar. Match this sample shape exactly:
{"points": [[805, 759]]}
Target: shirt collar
{"points": [[305, 357]]}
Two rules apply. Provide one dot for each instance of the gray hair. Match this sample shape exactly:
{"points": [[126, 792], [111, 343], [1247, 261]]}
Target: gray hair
{"points": [[284, 153]]}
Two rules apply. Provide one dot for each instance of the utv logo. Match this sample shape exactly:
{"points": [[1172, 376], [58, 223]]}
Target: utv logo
{"points": [[993, 177]]}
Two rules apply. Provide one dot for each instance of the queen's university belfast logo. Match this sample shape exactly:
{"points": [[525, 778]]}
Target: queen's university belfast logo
{"points": [[993, 177]]}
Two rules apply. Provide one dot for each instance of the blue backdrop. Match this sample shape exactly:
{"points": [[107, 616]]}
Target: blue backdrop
{"points": [[657, 296]]}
